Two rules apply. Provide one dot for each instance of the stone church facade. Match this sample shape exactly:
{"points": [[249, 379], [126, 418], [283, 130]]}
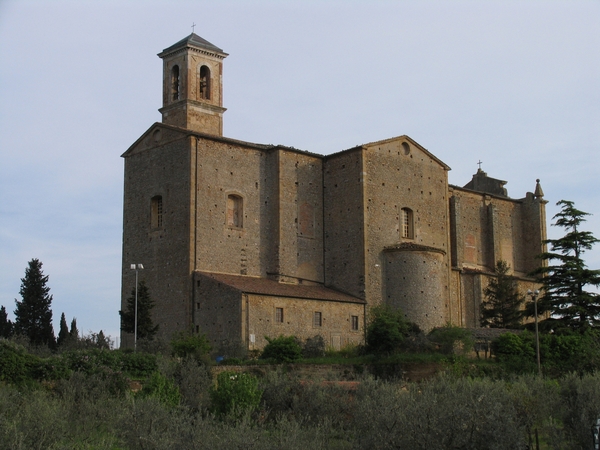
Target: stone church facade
{"points": [[242, 240]]}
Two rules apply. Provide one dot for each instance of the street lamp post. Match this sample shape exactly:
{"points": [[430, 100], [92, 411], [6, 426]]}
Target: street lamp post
{"points": [[137, 268], [534, 296]]}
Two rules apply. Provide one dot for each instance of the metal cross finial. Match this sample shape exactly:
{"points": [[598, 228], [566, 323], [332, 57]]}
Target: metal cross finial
{"points": [[193, 26], [479, 164]]}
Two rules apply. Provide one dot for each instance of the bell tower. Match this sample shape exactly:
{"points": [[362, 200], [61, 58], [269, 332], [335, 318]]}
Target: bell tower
{"points": [[192, 85]]}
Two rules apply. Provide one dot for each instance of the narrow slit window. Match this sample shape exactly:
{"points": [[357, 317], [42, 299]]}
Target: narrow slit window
{"points": [[354, 323], [278, 315], [317, 319], [407, 224], [156, 212], [204, 83], [175, 83], [235, 211]]}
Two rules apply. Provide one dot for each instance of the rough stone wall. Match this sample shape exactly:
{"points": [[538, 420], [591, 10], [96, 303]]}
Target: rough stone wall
{"points": [[472, 230], [218, 312], [472, 286], [194, 116], [534, 232], [456, 300], [416, 282], [159, 164], [344, 222], [336, 327], [300, 218], [486, 229], [227, 169], [401, 175]]}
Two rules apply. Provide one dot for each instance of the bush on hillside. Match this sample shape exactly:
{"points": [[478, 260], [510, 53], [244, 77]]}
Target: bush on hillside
{"points": [[283, 349], [190, 345], [313, 347], [387, 330], [235, 393], [452, 340]]}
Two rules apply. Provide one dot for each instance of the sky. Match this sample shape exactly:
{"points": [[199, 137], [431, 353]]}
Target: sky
{"points": [[513, 84]]}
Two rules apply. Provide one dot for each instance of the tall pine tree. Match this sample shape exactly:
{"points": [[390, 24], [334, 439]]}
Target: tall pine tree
{"points": [[503, 306], [33, 316], [566, 276], [145, 327]]}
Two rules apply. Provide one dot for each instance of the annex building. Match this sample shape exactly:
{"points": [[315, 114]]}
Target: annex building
{"points": [[241, 240]]}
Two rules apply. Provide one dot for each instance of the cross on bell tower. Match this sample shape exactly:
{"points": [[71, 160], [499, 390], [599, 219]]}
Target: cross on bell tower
{"points": [[192, 85]]}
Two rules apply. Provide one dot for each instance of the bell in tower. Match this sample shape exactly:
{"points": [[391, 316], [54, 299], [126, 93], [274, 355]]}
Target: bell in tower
{"points": [[192, 85]]}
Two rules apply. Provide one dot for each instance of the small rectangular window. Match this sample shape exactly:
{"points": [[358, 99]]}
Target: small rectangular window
{"points": [[354, 323], [407, 224], [278, 315], [317, 319], [156, 212], [235, 211]]}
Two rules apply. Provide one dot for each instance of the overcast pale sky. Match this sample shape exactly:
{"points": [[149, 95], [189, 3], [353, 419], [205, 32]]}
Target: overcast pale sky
{"points": [[515, 84]]}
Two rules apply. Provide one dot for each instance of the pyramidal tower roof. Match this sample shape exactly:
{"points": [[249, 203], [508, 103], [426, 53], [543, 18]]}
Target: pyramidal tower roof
{"points": [[193, 40]]}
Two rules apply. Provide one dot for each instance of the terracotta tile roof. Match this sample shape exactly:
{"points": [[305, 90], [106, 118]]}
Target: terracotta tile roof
{"points": [[491, 333], [264, 286]]}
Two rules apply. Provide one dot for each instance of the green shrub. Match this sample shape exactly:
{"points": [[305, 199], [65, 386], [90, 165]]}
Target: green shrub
{"points": [[387, 330], [235, 393], [194, 381], [52, 368], [186, 345], [283, 349], [513, 344], [161, 388], [452, 340], [138, 364], [15, 363], [313, 347]]}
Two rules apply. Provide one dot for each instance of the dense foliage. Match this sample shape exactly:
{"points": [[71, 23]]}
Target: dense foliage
{"points": [[387, 329], [235, 393], [190, 345], [282, 349], [33, 315], [452, 340], [94, 407], [502, 308], [566, 278], [559, 353]]}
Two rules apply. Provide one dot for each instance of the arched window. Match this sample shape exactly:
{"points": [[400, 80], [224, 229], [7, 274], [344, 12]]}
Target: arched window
{"points": [[407, 229], [156, 212], [235, 211], [175, 83], [204, 83]]}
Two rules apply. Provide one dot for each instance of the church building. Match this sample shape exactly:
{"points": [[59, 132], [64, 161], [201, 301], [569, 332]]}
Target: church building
{"points": [[243, 241]]}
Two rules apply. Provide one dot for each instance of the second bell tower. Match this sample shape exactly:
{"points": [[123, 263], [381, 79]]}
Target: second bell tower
{"points": [[192, 85]]}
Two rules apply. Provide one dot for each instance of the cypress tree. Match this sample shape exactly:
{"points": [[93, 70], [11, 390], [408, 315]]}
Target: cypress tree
{"points": [[6, 326], [63, 334], [74, 332], [503, 306], [145, 327], [33, 316]]}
